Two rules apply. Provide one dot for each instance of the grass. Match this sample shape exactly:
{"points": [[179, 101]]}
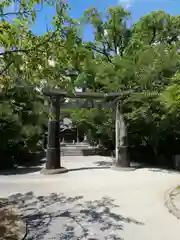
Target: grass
{"points": [[9, 224]]}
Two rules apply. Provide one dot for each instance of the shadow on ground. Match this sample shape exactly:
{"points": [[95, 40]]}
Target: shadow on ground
{"points": [[87, 168], [104, 163], [21, 170], [57, 216], [24, 169], [96, 165]]}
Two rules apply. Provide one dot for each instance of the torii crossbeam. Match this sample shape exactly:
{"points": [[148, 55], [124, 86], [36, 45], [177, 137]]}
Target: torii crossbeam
{"points": [[57, 98]]}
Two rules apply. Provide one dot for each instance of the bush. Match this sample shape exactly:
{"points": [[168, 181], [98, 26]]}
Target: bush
{"points": [[22, 118]]}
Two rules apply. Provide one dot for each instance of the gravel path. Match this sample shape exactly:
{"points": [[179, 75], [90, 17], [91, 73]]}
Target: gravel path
{"points": [[94, 204]]}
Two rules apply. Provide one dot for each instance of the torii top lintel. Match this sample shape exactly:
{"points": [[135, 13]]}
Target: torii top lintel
{"points": [[92, 95]]}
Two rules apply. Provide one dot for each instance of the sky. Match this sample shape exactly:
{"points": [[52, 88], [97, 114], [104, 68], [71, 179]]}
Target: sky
{"points": [[138, 8]]}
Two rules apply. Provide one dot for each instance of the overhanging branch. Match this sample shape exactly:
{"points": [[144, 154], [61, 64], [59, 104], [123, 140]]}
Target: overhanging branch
{"points": [[16, 13], [6, 67], [99, 50], [25, 51], [30, 49]]}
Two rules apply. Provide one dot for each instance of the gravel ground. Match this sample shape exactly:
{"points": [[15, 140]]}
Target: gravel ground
{"points": [[172, 201], [92, 201]]}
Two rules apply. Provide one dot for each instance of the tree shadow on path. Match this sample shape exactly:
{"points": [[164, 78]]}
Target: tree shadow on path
{"points": [[57, 216]]}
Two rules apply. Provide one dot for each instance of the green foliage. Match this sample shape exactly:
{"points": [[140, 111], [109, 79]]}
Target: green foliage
{"points": [[144, 59], [157, 27], [21, 122]]}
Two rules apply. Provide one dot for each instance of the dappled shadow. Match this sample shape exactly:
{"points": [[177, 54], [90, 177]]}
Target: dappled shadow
{"points": [[104, 163], [154, 167], [35, 165], [57, 216], [112, 163]]}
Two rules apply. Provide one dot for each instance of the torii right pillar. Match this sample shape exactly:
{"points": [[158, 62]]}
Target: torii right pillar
{"points": [[122, 158]]}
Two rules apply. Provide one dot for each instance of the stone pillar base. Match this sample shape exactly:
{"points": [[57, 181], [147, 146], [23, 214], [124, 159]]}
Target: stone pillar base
{"points": [[123, 158], [54, 171]]}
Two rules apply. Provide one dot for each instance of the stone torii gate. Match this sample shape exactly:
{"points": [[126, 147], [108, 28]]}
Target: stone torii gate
{"points": [[57, 101]]}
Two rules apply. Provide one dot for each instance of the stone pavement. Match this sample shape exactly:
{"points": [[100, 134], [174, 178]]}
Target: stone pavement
{"points": [[93, 202]]}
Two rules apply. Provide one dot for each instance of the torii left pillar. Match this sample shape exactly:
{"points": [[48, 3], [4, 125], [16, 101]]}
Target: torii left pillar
{"points": [[53, 161]]}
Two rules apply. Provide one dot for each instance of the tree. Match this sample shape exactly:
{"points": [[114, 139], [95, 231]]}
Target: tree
{"points": [[112, 35], [24, 63], [142, 59], [148, 59], [157, 27], [28, 63]]}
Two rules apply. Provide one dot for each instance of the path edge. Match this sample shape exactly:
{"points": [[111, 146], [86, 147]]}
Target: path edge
{"points": [[168, 202]]}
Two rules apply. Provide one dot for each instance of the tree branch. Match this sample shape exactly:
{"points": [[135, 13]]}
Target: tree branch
{"points": [[114, 35], [153, 36], [6, 67], [102, 51], [14, 13], [21, 12], [107, 42], [28, 50], [106, 54]]}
